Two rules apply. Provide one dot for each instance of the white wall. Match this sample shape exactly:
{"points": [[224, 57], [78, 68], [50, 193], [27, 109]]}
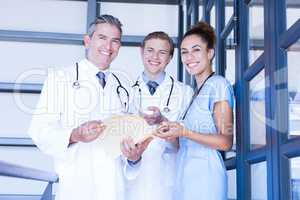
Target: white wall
{"points": [[43, 15], [141, 19]]}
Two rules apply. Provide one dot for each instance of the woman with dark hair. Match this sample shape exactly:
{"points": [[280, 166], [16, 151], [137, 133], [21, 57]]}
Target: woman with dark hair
{"points": [[206, 125]]}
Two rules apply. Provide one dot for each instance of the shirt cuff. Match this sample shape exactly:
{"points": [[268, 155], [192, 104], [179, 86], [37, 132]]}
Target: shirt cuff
{"points": [[131, 171], [131, 163]]}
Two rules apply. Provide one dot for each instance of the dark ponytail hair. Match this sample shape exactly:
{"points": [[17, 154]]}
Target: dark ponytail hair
{"points": [[205, 32]]}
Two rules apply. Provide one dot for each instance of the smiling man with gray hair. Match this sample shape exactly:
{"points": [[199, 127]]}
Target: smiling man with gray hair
{"points": [[68, 119]]}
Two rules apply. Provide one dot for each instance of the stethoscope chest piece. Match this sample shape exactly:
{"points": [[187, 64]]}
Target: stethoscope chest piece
{"points": [[76, 85], [166, 109]]}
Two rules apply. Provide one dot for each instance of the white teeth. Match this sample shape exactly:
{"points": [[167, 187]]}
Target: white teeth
{"points": [[105, 53], [154, 63], [192, 64]]}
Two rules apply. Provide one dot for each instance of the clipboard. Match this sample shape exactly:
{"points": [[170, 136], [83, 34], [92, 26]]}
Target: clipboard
{"points": [[121, 126]]}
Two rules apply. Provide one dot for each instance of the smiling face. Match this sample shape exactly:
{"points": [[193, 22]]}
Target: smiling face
{"points": [[195, 55], [104, 45], [156, 56]]}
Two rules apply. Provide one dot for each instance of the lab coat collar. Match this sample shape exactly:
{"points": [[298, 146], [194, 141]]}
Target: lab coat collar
{"points": [[92, 70]]}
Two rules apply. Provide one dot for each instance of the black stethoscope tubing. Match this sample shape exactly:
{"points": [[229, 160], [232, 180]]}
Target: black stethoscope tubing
{"points": [[171, 90], [166, 108], [195, 95], [76, 84], [120, 86]]}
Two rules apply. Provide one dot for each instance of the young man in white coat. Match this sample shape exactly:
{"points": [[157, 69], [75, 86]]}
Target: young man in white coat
{"points": [[68, 117], [157, 95]]}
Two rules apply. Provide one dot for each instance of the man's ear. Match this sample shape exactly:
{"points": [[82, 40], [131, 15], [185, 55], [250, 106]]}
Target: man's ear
{"points": [[142, 51], [86, 41], [211, 54]]}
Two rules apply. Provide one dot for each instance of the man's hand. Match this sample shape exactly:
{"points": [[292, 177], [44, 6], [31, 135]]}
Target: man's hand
{"points": [[132, 151], [87, 132], [155, 118]]}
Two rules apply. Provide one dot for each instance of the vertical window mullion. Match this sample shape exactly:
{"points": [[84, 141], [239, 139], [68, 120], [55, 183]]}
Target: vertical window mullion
{"points": [[241, 91]]}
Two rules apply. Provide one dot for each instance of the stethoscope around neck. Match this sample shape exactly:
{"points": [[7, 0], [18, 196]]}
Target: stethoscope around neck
{"points": [[120, 87], [166, 108]]}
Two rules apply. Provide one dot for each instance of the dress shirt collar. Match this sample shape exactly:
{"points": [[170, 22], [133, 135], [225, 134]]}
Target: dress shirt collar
{"points": [[93, 70], [160, 78]]}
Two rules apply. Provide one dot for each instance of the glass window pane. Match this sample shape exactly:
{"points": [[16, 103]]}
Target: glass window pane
{"points": [[253, 55], [200, 12], [228, 10], [141, 19], [230, 75], [257, 111], [230, 65], [294, 89], [213, 16], [44, 16], [26, 58], [256, 31], [259, 181], [213, 24], [184, 8], [292, 12], [230, 59], [295, 178], [231, 184]]}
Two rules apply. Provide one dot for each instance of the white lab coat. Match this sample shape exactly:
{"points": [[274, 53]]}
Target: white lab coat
{"points": [[155, 177], [85, 171]]}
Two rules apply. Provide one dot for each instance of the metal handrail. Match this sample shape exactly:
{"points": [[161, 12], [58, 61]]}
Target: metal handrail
{"points": [[18, 171]]}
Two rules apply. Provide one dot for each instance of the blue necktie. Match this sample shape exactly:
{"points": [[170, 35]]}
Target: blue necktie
{"points": [[101, 77], [152, 85]]}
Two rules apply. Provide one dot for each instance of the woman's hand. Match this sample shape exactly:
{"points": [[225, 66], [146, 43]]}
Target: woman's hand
{"points": [[170, 131]]}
